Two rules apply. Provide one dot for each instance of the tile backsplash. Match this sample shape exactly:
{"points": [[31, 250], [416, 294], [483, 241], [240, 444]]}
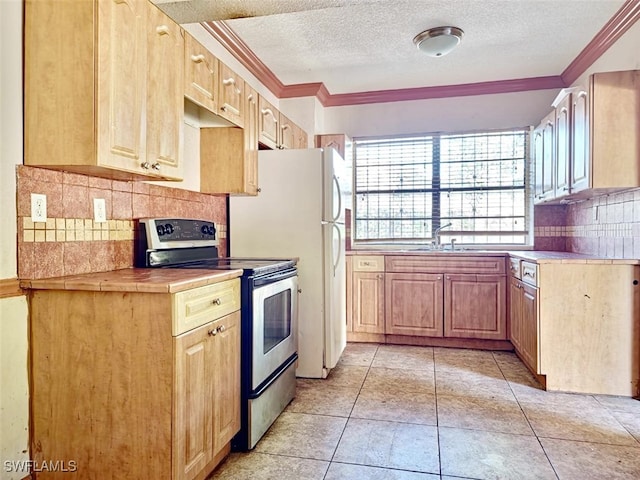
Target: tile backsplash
{"points": [[608, 226], [70, 242]]}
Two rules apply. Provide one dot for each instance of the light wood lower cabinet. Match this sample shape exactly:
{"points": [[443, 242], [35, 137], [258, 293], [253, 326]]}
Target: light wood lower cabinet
{"points": [[207, 382], [116, 392], [413, 303], [475, 306], [524, 322], [368, 302]]}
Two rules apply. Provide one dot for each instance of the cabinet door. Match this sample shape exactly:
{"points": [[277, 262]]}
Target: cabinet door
{"points": [[413, 304], [287, 133], [529, 332], [268, 124], [193, 400], [225, 361], [368, 302], [122, 69], [301, 139], [231, 95], [563, 146], [201, 74], [580, 157], [251, 142], [475, 306], [543, 141], [515, 313], [165, 95]]}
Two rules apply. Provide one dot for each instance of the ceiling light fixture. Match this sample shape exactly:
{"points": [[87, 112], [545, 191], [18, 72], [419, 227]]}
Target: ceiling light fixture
{"points": [[438, 41]]}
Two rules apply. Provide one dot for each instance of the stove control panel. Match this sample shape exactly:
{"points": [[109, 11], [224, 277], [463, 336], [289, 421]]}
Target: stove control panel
{"points": [[163, 233]]}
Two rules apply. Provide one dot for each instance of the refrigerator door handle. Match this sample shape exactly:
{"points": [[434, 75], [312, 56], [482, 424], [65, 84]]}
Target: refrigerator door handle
{"points": [[339, 257], [337, 217]]}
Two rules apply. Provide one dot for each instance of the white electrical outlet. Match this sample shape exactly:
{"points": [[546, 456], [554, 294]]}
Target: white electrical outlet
{"points": [[99, 210], [38, 207]]}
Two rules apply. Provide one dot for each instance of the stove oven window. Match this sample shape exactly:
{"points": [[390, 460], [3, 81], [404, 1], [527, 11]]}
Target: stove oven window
{"points": [[277, 319]]}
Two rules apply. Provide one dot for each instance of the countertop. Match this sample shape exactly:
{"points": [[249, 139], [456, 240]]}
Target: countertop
{"points": [[149, 280], [536, 256]]}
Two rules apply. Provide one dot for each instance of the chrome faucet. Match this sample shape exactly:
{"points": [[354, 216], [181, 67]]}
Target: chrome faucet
{"points": [[436, 235]]}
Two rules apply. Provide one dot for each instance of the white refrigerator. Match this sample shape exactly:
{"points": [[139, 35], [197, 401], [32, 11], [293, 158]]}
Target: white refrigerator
{"points": [[299, 212]]}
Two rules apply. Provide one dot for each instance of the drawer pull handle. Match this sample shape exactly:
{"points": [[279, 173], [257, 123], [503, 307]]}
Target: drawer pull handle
{"points": [[217, 301], [231, 82], [213, 332], [221, 328], [197, 58]]}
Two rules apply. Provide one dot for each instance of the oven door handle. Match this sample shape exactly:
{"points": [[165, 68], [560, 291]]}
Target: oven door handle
{"points": [[262, 281]]}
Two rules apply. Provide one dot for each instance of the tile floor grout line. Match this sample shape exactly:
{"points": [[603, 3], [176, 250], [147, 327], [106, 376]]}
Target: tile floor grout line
{"points": [[528, 421], [335, 450]]}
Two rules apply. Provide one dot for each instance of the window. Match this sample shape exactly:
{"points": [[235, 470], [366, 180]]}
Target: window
{"points": [[407, 187]]}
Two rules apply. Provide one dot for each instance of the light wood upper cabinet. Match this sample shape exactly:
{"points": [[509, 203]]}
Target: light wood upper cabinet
{"points": [[580, 158], [251, 141], [287, 132], [91, 97], [165, 93], [340, 142], [544, 157], [595, 142], [276, 131], [563, 146], [268, 124], [231, 95], [201, 75]]}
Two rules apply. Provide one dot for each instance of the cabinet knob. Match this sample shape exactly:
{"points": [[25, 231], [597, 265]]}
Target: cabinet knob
{"points": [[299, 290], [217, 301], [162, 30], [439, 278], [223, 108], [221, 328], [145, 165], [156, 166], [197, 58], [213, 332], [259, 190], [231, 81], [250, 97]]}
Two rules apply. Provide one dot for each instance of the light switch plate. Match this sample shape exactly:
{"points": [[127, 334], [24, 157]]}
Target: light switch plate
{"points": [[99, 210], [38, 207]]}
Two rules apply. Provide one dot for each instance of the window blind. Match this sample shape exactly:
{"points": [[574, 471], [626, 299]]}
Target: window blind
{"points": [[407, 187]]}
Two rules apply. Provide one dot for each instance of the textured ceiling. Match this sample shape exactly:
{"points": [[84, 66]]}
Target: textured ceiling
{"points": [[365, 45]]}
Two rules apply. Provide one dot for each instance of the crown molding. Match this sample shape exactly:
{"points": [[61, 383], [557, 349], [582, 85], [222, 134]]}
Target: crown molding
{"points": [[624, 19], [445, 91], [241, 51]]}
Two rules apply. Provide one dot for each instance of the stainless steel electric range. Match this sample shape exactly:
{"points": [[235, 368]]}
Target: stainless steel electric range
{"points": [[269, 314]]}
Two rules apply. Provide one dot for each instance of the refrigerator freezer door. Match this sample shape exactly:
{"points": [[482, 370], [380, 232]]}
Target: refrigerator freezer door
{"points": [[335, 334]]}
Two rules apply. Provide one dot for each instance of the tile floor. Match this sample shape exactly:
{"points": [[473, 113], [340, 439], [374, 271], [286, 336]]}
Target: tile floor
{"points": [[421, 413]]}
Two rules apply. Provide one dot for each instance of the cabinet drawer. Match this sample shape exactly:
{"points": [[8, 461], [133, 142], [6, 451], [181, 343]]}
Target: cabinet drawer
{"points": [[447, 263], [368, 263], [530, 273], [198, 306], [514, 268]]}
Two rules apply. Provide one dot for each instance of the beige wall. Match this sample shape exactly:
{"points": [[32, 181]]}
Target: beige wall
{"points": [[14, 390]]}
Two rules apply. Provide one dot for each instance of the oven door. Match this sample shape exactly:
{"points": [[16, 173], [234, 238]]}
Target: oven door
{"points": [[275, 325]]}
